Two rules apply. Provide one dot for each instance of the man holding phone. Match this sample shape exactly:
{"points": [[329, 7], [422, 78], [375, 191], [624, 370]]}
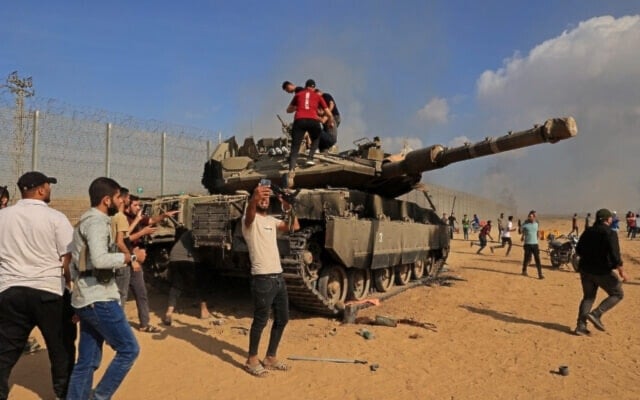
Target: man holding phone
{"points": [[268, 287]]}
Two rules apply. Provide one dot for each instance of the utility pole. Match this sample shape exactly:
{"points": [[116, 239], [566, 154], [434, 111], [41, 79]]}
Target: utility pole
{"points": [[21, 88]]}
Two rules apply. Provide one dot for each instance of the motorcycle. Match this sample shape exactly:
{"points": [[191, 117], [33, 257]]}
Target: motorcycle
{"points": [[562, 250]]}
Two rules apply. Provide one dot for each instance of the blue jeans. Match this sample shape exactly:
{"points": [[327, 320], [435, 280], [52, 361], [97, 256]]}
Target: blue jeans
{"points": [[269, 293], [100, 322]]}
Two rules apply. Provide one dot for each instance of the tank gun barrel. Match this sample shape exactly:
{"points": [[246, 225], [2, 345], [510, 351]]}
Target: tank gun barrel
{"points": [[437, 156]]}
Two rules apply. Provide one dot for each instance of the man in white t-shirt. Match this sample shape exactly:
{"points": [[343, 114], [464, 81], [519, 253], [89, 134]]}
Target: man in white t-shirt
{"points": [[34, 256], [267, 284], [506, 236]]}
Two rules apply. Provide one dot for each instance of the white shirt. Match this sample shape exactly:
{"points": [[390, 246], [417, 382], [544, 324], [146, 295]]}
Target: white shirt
{"points": [[506, 233], [262, 241], [33, 239]]}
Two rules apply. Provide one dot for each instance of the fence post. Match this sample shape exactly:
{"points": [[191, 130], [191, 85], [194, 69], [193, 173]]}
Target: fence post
{"points": [[107, 158], [34, 147], [208, 149], [162, 162]]}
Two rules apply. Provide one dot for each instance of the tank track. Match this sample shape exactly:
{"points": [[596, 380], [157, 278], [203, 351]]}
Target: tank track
{"points": [[304, 296]]}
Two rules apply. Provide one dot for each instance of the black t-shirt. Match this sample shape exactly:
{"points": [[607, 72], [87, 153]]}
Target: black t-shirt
{"points": [[599, 250], [328, 98]]}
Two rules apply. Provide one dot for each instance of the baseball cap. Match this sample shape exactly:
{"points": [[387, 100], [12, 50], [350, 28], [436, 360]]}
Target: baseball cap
{"points": [[603, 213], [310, 83], [34, 179]]}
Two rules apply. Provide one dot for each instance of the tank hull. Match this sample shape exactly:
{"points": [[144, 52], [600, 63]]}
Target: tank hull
{"points": [[352, 244]]}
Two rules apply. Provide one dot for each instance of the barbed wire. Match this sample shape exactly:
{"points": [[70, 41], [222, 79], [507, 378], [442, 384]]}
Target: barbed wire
{"points": [[70, 143]]}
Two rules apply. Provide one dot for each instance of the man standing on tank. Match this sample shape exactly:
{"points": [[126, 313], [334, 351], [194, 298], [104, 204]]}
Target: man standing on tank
{"points": [[599, 252], [306, 104], [530, 238], [267, 284], [329, 134]]}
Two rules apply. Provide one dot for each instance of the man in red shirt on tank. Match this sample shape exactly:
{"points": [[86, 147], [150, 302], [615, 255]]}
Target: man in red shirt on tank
{"points": [[305, 104]]}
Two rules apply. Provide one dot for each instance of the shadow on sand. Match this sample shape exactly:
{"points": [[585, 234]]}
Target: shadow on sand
{"points": [[517, 320]]}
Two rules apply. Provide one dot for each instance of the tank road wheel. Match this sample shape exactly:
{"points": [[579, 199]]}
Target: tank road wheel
{"points": [[429, 266], [403, 274], [417, 269], [333, 283], [359, 283], [383, 279]]}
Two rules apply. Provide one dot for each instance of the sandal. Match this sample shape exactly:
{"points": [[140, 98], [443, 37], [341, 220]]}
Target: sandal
{"points": [[167, 320], [256, 370], [277, 366], [150, 329]]}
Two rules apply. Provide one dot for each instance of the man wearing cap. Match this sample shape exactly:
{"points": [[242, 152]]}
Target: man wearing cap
{"points": [[306, 104], [34, 260], [599, 253], [530, 238]]}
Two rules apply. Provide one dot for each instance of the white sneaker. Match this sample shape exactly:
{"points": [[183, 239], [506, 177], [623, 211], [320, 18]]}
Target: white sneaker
{"points": [[309, 163]]}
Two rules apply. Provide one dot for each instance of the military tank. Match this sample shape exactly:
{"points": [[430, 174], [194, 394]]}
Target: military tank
{"points": [[356, 239]]}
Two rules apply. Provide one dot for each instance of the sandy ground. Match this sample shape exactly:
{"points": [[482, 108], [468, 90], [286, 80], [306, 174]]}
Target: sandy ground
{"points": [[495, 334]]}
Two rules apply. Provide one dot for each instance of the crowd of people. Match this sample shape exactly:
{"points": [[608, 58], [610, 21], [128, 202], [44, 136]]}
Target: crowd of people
{"points": [[64, 280], [598, 249]]}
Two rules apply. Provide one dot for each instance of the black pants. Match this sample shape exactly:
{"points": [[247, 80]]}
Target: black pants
{"points": [[590, 284], [300, 126], [531, 250], [269, 292], [22, 309], [185, 273]]}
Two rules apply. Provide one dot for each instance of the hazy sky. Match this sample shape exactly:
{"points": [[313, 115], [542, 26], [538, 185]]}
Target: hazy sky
{"points": [[415, 72]]}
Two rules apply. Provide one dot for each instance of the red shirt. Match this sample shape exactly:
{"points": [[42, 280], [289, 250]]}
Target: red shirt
{"points": [[307, 102], [485, 230]]}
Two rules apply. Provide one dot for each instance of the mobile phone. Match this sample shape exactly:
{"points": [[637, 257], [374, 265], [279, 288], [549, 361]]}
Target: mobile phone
{"points": [[265, 182]]}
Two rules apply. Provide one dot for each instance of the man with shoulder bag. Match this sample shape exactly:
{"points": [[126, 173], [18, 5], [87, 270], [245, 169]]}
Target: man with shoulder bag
{"points": [[96, 299]]}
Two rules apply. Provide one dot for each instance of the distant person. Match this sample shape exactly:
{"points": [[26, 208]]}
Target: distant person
{"points": [[476, 221], [599, 253], [452, 225], [482, 236], [267, 283], [587, 221], [96, 299], [466, 223], [329, 135], [500, 224], [615, 222], [574, 224], [631, 224], [290, 87], [635, 228], [34, 267], [519, 227], [530, 238], [506, 236], [306, 104]]}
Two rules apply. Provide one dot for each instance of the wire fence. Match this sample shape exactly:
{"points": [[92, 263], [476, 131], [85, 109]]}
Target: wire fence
{"points": [[148, 157], [75, 146]]}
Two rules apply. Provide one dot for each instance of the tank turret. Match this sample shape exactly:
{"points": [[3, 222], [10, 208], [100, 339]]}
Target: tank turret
{"points": [[365, 168]]}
